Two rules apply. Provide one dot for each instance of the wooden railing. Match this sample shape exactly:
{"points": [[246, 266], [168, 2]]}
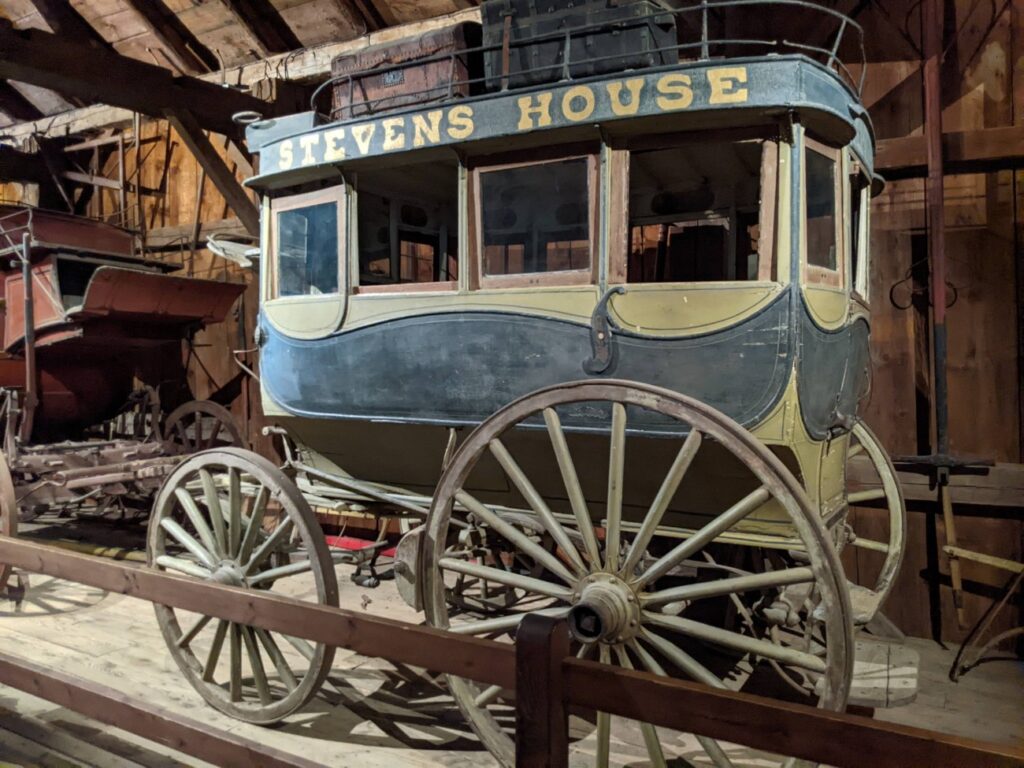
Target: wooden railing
{"points": [[547, 681]]}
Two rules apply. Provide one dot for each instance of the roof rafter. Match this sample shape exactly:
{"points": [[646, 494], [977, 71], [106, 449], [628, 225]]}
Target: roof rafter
{"points": [[264, 23], [44, 59], [61, 17], [16, 105], [188, 52]]}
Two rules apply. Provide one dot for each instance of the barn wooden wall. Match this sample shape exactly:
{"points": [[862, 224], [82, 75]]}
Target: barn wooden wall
{"points": [[983, 87]]}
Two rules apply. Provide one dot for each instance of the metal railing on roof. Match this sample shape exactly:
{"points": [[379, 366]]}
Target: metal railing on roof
{"points": [[707, 46]]}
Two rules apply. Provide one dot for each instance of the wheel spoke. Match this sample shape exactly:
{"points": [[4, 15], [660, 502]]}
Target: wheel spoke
{"points": [[269, 545], [215, 648], [234, 511], [573, 488], [501, 623], [303, 647], [507, 578], [216, 512], [684, 661], [259, 674], [650, 733], [660, 504], [196, 517], [730, 586], [855, 451], [737, 512], [604, 722], [280, 663], [524, 543], [179, 427], [255, 525], [537, 503], [737, 642], [709, 745], [487, 695], [271, 575], [616, 476], [185, 539], [874, 546], [235, 652], [196, 628], [859, 497], [182, 566]]}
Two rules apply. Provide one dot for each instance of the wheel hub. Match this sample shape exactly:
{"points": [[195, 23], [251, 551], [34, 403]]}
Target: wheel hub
{"points": [[605, 610], [229, 573]]}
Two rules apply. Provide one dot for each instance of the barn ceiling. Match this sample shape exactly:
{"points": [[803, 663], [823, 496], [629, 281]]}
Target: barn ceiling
{"points": [[194, 37]]}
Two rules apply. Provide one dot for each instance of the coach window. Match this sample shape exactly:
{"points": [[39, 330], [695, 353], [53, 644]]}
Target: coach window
{"points": [[307, 231], [702, 211], [822, 231], [536, 223], [408, 227]]}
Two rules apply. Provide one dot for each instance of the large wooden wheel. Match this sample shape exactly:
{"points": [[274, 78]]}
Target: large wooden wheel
{"points": [[232, 517], [877, 548], [199, 425], [633, 596]]}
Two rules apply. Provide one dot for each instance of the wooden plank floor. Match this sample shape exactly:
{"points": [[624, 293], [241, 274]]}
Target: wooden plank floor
{"points": [[370, 712]]}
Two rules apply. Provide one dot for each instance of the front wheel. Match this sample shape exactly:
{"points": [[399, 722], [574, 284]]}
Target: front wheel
{"points": [[685, 576], [230, 516]]}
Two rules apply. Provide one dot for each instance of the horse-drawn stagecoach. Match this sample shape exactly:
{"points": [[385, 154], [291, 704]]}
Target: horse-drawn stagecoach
{"points": [[588, 305]]}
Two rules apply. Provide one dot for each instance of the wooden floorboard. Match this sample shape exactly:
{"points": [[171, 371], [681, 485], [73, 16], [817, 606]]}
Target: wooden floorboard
{"points": [[370, 713]]}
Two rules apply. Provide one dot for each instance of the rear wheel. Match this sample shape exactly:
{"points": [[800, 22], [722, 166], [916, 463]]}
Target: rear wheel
{"points": [[877, 539], [230, 516], [707, 602], [199, 425], [8, 513]]}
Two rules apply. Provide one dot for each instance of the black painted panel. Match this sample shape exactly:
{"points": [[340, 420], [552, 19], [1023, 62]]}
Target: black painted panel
{"points": [[458, 368], [832, 372]]}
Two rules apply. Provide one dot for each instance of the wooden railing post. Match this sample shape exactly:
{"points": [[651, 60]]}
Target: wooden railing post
{"points": [[542, 715]]}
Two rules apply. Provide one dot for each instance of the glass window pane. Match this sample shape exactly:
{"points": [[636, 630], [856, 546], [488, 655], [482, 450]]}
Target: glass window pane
{"points": [[536, 218], [307, 250], [821, 210]]}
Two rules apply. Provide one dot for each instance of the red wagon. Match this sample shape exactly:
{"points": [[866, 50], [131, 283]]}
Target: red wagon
{"points": [[85, 385]]}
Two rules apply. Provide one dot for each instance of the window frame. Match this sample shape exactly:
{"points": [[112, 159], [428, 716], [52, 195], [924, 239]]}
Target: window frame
{"points": [[814, 274], [768, 209], [337, 194], [859, 278], [567, 277]]}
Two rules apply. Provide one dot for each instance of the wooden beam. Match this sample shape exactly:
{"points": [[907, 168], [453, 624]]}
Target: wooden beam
{"points": [[14, 104], [980, 150], [44, 59], [62, 19], [91, 180], [189, 54], [309, 63], [262, 20], [175, 238], [1002, 486], [149, 720], [222, 177], [783, 728], [421, 646]]}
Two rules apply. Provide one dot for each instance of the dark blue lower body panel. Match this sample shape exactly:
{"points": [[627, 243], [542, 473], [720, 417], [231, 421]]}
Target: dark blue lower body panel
{"points": [[458, 368]]}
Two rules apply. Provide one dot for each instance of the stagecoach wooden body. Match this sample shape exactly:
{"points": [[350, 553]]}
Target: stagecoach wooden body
{"points": [[603, 332], [91, 368]]}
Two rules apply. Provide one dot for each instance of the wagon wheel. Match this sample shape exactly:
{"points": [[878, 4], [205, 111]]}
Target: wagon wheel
{"points": [[232, 517], [199, 425], [8, 513], [876, 557], [621, 591]]}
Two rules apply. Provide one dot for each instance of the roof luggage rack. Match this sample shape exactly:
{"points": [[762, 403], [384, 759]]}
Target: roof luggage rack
{"points": [[639, 34]]}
